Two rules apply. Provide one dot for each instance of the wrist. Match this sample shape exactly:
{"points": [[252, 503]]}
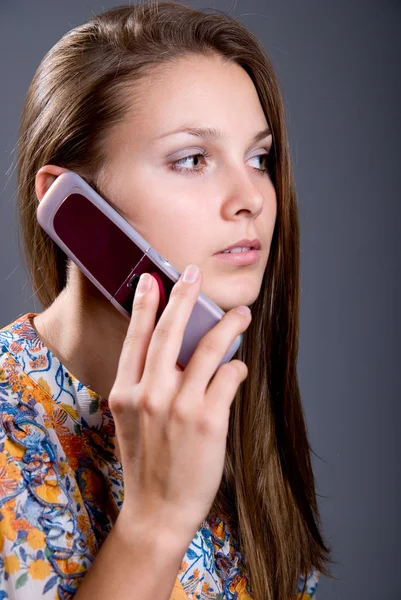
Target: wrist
{"points": [[150, 534]]}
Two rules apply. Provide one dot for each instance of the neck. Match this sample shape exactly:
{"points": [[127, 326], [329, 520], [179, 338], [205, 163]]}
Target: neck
{"points": [[86, 333]]}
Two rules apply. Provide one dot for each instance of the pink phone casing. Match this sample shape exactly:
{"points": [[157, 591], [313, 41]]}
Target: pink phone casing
{"points": [[113, 255]]}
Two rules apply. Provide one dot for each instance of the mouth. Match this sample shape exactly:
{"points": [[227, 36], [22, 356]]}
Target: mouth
{"points": [[241, 246], [247, 257]]}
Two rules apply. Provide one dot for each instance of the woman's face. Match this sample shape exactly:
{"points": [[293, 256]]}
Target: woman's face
{"points": [[191, 210]]}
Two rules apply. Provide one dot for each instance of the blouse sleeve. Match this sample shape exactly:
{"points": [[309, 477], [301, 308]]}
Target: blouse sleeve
{"points": [[311, 585], [25, 570], [27, 567]]}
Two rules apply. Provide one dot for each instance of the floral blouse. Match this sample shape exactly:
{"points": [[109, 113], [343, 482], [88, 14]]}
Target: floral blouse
{"points": [[61, 486]]}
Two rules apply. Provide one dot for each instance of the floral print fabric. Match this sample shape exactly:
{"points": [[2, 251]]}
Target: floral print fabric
{"points": [[61, 486]]}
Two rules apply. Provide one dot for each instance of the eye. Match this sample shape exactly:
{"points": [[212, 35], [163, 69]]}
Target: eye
{"points": [[267, 160], [176, 165], [195, 158]]}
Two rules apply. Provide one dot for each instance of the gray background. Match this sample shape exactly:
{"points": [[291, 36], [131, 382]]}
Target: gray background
{"points": [[337, 63]]}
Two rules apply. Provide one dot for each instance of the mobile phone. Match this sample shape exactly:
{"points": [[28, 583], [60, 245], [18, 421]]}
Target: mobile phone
{"points": [[113, 255]]}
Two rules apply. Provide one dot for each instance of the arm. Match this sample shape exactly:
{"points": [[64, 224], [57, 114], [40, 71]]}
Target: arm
{"points": [[143, 561], [171, 430]]}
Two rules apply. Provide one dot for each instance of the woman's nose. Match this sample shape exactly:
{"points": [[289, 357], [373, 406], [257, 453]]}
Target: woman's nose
{"points": [[242, 193]]}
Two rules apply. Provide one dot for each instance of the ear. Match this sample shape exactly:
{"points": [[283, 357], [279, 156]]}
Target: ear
{"points": [[45, 177]]}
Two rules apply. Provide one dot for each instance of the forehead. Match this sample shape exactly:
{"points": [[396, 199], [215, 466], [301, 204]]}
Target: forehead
{"points": [[205, 90]]}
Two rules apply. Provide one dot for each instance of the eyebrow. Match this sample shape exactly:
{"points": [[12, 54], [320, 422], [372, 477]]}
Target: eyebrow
{"points": [[212, 134]]}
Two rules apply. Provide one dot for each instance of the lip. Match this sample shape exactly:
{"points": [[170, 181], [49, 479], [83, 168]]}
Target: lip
{"points": [[239, 258], [254, 244]]}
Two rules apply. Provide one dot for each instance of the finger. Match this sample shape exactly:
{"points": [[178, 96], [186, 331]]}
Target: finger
{"points": [[167, 337], [222, 389], [207, 357], [213, 415], [140, 329]]}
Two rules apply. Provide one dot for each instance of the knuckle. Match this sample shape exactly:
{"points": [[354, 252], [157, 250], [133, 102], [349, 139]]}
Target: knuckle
{"points": [[162, 331], [209, 426], [131, 338], [148, 400], [151, 406], [204, 424], [209, 346], [119, 400], [179, 413]]}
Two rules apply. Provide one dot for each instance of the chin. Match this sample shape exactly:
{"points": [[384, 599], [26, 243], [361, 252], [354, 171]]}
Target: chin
{"points": [[228, 304], [230, 296]]}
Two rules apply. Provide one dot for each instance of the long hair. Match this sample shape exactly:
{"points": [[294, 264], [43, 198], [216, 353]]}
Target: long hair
{"points": [[80, 90]]}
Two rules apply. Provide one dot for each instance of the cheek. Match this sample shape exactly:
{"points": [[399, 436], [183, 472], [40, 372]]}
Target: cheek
{"points": [[171, 229], [179, 242]]}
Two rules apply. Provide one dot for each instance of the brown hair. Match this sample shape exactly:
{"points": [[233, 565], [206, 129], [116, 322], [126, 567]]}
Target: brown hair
{"points": [[267, 493]]}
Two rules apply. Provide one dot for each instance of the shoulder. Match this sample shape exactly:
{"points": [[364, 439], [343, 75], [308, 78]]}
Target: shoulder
{"points": [[23, 369], [20, 330], [24, 441], [17, 341]]}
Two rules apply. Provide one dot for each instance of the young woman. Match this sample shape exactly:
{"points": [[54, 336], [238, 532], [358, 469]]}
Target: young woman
{"points": [[122, 475]]}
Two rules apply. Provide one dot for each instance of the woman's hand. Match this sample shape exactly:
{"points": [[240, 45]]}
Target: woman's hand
{"points": [[171, 424]]}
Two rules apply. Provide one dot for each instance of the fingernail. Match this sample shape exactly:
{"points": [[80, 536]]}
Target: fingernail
{"points": [[191, 274], [145, 281], [244, 310]]}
